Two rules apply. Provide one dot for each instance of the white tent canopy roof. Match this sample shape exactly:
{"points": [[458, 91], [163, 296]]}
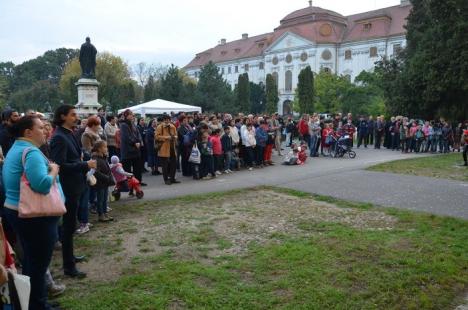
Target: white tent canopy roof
{"points": [[160, 106]]}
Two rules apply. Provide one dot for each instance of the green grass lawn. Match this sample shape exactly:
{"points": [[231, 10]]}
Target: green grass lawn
{"points": [[271, 248], [441, 166]]}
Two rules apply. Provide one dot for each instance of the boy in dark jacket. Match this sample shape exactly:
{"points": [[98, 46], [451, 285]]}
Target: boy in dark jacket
{"points": [[226, 143]]}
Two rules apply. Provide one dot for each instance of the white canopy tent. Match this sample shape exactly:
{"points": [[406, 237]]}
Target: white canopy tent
{"points": [[160, 106]]}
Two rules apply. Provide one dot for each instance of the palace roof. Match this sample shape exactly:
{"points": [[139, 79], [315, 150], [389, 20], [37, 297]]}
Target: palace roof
{"points": [[316, 25]]}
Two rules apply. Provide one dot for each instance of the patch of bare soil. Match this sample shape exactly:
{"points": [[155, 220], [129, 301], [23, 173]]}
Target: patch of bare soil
{"points": [[206, 230]]}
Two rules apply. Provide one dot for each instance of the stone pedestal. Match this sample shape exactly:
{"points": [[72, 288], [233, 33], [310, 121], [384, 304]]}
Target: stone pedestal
{"points": [[87, 96]]}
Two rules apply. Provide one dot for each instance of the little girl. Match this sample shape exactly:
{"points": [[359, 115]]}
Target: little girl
{"points": [[104, 179]]}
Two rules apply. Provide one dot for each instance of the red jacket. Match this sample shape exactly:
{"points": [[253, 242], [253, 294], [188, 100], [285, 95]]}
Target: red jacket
{"points": [[303, 127]]}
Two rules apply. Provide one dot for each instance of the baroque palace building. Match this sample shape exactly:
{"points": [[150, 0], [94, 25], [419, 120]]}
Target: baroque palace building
{"points": [[315, 37]]}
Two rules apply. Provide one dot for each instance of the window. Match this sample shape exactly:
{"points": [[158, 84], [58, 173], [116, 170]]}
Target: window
{"points": [[367, 26], [236, 69], [288, 80], [373, 52], [222, 71], [229, 70], [326, 70], [223, 53], [275, 60], [326, 55], [348, 77], [304, 56], [261, 66], [396, 49], [196, 74], [289, 58], [246, 67], [347, 54], [261, 45], [237, 50]]}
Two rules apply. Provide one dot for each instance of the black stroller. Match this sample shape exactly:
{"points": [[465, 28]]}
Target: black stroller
{"points": [[341, 146]]}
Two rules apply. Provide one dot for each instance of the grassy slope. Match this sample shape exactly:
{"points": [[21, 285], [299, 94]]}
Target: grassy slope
{"points": [[420, 264], [441, 166]]}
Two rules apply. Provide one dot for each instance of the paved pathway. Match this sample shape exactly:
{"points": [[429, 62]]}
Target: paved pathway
{"points": [[342, 178]]}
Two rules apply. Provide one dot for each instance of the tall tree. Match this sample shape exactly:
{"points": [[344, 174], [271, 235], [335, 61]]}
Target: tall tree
{"points": [[171, 85], [213, 92], [257, 97], [271, 94], [151, 91], [305, 90], [243, 93]]}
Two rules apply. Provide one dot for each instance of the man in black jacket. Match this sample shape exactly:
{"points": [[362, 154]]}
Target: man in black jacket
{"points": [[66, 152], [9, 117]]}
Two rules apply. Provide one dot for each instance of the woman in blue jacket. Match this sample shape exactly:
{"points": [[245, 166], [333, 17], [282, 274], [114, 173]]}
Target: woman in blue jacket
{"points": [[39, 234]]}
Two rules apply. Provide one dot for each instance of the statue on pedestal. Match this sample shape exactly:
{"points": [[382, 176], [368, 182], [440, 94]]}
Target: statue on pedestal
{"points": [[88, 60]]}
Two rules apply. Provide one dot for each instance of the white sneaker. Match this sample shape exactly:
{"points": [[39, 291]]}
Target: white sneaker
{"points": [[109, 209], [84, 228], [218, 172], [226, 171], [229, 170], [250, 168]]}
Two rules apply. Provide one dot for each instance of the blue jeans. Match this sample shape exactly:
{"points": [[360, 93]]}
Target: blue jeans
{"points": [[227, 160], [83, 209], [101, 204], [313, 145]]}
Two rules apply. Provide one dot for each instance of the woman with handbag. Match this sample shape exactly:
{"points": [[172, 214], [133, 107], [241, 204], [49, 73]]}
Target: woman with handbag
{"points": [[34, 203]]}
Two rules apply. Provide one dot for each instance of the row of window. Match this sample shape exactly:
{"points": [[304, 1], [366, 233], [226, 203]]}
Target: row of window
{"points": [[326, 55], [373, 51]]}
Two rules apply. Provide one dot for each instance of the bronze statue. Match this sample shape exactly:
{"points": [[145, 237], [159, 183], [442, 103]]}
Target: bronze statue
{"points": [[88, 60]]}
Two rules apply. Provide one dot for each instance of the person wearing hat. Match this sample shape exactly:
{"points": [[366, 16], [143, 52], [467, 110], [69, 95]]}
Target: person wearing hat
{"points": [[166, 140]]}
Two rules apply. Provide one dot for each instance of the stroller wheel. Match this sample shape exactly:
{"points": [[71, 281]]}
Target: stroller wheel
{"points": [[352, 154], [140, 194]]}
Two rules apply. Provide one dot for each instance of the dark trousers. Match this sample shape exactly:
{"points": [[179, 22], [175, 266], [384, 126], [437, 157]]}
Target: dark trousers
{"points": [[168, 165], [259, 150], [218, 162], [133, 165], [362, 137], [112, 151], [186, 165], [395, 141], [378, 139], [38, 236], [69, 227], [465, 151], [206, 166], [101, 204], [83, 211], [249, 156], [370, 137]]}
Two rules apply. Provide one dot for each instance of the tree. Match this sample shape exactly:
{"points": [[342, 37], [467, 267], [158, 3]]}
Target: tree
{"points": [[271, 94], [171, 85], [3, 91], [213, 92], [430, 78], [243, 93], [257, 97], [305, 91], [151, 90]]}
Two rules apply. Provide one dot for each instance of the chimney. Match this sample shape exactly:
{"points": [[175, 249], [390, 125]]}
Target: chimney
{"points": [[404, 2], [310, 2], [245, 35], [223, 41]]}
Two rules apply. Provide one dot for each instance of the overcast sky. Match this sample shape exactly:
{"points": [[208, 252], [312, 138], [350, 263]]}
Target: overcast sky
{"points": [[153, 31]]}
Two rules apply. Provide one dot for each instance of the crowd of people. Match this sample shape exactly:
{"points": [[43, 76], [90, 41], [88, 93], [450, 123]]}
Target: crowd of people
{"points": [[87, 157]]}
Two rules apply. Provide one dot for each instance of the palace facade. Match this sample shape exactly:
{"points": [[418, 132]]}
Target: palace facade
{"points": [[315, 37]]}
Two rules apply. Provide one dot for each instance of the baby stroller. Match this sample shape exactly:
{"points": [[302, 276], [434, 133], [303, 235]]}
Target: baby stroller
{"points": [[341, 146], [130, 185]]}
